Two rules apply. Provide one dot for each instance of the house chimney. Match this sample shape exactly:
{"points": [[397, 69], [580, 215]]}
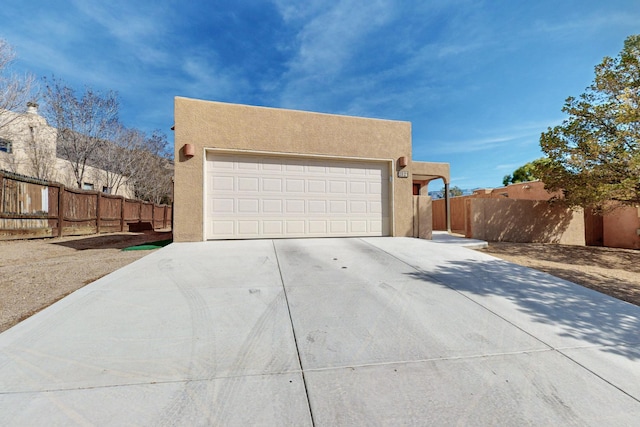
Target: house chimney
{"points": [[32, 108]]}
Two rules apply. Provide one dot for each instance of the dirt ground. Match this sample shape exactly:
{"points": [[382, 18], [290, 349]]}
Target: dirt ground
{"points": [[612, 271], [36, 273]]}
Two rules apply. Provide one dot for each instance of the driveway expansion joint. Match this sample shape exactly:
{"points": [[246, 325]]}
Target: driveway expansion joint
{"points": [[293, 332]]}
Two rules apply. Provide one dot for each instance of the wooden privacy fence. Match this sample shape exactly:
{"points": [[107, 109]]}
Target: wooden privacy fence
{"points": [[34, 208], [458, 214]]}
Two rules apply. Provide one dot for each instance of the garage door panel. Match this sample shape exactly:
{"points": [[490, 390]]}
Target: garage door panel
{"points": [[295, 185], [338, 187], [296, 168], [271, 164], [338, 226], [359, 226], [337, 206], [316, 186], [317, 227], [317, 168], [272, 185], [358, 187], [317, 207], [273, 228], [222, 206], [223, 183], [248, 228], [294, 207], [295, 227], [262, 197], [224, 228], [250, 206], [221, 165], [359, 207], [247, 165], [248, 184], [272, 206]]}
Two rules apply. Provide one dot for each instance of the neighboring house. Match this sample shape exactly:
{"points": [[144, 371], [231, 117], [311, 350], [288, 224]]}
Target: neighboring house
{"points": [[28, 147], [245, 172]]}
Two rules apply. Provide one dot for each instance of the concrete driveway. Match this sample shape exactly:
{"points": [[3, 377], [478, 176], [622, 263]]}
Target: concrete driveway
{"points": [[372, 331]]}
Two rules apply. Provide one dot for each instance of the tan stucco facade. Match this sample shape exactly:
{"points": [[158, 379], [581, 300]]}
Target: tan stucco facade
{"points": [[209, 126]]}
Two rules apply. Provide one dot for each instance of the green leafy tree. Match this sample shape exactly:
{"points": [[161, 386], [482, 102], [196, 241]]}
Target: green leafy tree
{"points": [[454, 191], [525, 173], [594, 155]]}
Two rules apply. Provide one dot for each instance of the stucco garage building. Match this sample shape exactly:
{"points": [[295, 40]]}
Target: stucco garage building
{"points": [[245, 172]]}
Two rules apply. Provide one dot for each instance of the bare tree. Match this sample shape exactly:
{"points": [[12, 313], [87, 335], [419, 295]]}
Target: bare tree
{"points": [[152, 174], [117, 157], [84, 124], [15, 90]]}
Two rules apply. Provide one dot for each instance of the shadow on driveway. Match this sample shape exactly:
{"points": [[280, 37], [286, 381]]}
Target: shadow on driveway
{"points": [[574, 312]]}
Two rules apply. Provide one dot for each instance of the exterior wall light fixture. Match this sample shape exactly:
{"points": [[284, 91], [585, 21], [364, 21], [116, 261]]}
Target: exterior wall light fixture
{"points": [[188, 150]]}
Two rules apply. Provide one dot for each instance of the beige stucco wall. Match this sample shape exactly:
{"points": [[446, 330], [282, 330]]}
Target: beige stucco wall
{"points": [[65, 176], [233, 127], [509, 220], [30, 136], [427, 171], [422, 220]]}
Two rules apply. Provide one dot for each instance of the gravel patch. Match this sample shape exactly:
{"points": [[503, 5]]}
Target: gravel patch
{"points": [[612, 271], [36, 273]]}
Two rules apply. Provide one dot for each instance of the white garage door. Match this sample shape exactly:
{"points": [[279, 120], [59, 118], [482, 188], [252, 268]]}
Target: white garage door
{"points": [[249, 197]]}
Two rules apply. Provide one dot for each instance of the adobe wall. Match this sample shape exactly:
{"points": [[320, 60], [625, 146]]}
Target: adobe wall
{"points": [[621, 228], [533, 190], [422, 219], [535, 222], [524, 221]]}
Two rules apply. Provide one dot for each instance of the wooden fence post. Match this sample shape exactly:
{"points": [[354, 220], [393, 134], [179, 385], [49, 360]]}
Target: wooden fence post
{"points": [[98, 216], [1, 192], [164, 219], [122, 202], [60, 209]]}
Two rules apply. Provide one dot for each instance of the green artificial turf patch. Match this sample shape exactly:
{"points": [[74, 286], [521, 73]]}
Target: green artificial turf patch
{"points": [[149, 246]]}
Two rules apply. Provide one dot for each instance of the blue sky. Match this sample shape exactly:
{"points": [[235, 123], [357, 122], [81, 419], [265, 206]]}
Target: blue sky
{"points": [[479, 80]]}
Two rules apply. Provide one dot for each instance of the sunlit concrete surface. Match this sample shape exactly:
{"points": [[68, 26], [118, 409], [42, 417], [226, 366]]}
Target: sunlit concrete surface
{"points": [[371, 331]]}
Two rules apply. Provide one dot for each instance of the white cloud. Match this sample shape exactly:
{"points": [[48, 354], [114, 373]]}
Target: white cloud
{"points": [[327, 40], [206, 80], [593, 22], [131, 25], [326, 43], [324, 72]]}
